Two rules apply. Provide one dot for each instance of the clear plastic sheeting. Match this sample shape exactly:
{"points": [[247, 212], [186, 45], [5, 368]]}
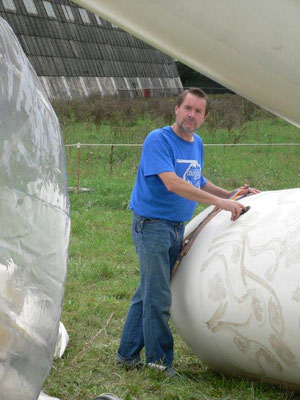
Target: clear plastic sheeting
{"points": [[34, 217]]}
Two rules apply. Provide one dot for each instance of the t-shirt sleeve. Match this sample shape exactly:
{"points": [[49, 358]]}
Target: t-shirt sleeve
{"points": [[156, 156], [203, 181]]}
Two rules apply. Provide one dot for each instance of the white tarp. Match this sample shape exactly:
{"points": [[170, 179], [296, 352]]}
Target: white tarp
{"points": [[251, 47], [35, 223]]}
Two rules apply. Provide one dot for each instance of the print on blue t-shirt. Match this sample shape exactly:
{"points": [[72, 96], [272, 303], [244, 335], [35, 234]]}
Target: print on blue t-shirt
{"points": [[192, 173], [164, 151]]}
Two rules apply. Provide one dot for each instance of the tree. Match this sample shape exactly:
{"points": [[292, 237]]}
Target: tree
{"points": [[189, 77]]}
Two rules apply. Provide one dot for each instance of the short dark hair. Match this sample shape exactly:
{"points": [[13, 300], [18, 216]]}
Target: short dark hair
{"points": [[196, 92]]}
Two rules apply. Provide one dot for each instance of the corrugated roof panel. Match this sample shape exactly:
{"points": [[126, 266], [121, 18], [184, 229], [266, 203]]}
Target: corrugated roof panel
{"points": [[121, 40], [67, 48], [118, 53], [125, 69], [114, 37], [105, 51], [121, 54], [12, 19], [98, 35], [55, 48], [106, 35], [41, 9], [129, 54], [33, 48], [72, 32], [106, 68], [58, 10], [146, 55], [47, 66], [97, 64], [87, 33], [68, 66], [53, 28], [23, 43], [35, 64], [41, 50], [20, 7], [64, 48], [76, 48], [60, 67], [89, 68], [94, 51], [93, 30], [50, 46], [37, 26], [32, 26], [78, 67], [87, 51], [61, 32], [25, 25], [80, 32]]}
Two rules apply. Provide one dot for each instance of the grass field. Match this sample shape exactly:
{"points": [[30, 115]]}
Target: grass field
{"points": [[103, 268]]}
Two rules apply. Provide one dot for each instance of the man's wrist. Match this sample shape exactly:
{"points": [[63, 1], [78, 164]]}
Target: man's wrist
{"points": [[230, 193]]}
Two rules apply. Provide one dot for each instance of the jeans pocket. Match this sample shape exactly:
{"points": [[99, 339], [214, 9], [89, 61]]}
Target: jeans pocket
{"points": [[138, 225]]}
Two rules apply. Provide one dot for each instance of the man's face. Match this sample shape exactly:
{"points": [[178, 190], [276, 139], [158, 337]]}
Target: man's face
{"points": [[190, 114]]}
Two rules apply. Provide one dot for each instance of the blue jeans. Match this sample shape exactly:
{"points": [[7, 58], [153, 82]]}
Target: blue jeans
{"points": [[158, 243]]}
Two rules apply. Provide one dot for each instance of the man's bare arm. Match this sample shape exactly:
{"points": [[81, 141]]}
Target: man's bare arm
{"points": [[225, 194], [184, 189]]}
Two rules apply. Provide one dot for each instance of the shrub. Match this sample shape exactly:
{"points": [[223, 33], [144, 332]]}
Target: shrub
{"points": [[228, 111]]}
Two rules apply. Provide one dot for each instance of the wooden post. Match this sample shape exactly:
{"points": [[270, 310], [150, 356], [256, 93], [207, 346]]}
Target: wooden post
{"points": [[78, 165], [111, 158]]}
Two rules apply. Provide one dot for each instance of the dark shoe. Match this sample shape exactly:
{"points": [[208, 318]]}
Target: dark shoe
{"points": [[129, 364]]}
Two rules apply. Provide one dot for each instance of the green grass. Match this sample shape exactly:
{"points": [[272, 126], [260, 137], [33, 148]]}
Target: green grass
{"points": [[103, 268]]}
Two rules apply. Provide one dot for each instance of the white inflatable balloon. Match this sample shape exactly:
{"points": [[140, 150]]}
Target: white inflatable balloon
{"points": [[44, 396], [61, 341], [34, 216], [250, 47], [236, 294]]}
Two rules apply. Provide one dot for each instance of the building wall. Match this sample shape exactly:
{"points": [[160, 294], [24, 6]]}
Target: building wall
{"points": [[77, 53]]}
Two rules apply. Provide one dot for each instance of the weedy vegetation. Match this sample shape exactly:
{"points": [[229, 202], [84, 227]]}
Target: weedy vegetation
{"points": [[103, 268]]}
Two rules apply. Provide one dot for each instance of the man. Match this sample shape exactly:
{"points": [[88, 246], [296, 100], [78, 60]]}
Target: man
{"points": [[169, 185]]}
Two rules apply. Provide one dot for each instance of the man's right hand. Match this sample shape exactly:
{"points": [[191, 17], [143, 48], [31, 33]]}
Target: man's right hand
{"points": [[232, 206]]}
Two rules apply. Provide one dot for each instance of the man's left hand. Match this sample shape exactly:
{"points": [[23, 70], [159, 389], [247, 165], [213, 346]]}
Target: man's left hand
{"points": [[244, 190]]}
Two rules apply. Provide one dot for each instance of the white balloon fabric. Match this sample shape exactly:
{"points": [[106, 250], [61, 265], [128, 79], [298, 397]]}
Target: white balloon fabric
{"points": [[236, 293], [61, 342], [35, 223], [250, 47], [44, 396]]}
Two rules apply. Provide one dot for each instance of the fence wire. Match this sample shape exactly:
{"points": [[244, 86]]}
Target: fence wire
{"points": [[109, 158]]}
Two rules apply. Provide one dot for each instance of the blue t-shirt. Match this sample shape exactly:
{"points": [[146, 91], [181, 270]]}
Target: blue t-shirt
{"points": [[164, 151]]}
